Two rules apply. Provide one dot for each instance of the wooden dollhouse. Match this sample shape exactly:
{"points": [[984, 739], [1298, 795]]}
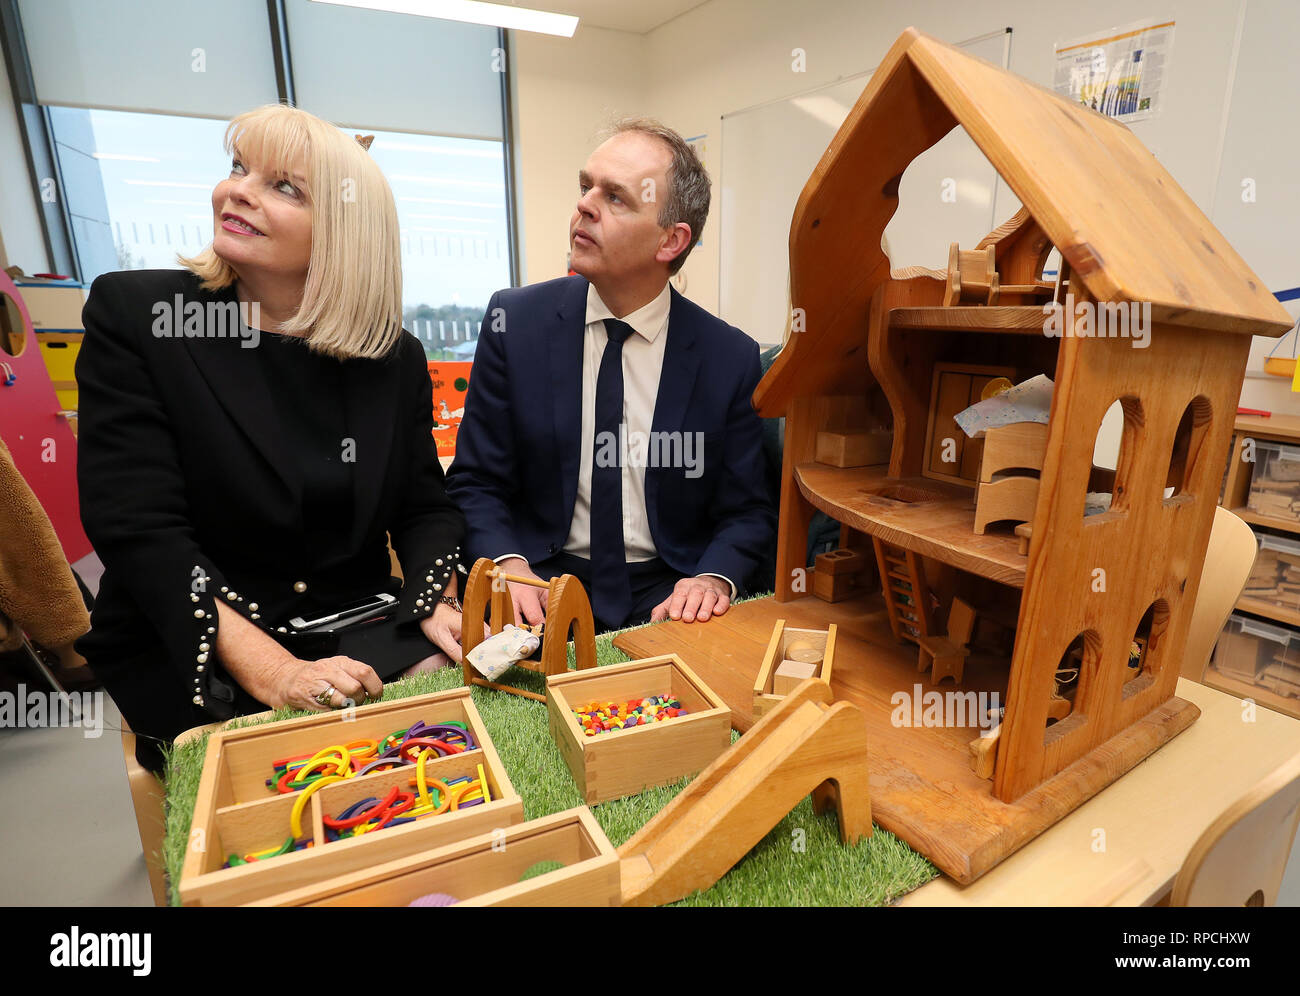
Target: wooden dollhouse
{"points": [[904, 350]]}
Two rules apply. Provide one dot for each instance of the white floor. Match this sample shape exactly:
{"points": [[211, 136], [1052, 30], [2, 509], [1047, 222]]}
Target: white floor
{"points": [[67, 825]]}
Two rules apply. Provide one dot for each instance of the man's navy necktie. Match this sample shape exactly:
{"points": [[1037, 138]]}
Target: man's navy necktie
{"points": [[611, 589]]}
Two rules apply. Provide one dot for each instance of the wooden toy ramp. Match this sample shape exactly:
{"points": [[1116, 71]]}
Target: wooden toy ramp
{"points": [[803, 745]]}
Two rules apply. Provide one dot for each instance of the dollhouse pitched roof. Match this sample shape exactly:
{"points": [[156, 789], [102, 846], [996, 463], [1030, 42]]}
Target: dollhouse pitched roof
{"points": [[1127, 230]]}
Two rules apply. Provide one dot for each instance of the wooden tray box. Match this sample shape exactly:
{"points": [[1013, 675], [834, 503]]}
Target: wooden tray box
{"points": [[485, 870], [624, 762], [765, 696], [235, 812]]}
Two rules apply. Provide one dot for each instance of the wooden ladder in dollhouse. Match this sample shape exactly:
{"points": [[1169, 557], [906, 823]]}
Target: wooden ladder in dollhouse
{"points": [[907, 596]]}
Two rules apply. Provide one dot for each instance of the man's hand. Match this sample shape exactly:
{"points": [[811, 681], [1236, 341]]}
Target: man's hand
{"points": [[700, 598], [529, 602]]}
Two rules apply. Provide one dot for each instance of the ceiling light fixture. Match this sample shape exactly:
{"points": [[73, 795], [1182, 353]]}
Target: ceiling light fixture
{"points": [[498, 15]]}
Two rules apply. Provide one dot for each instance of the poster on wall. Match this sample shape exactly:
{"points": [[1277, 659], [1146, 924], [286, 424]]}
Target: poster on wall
{"points": [[450, 383], [1119, 72]]}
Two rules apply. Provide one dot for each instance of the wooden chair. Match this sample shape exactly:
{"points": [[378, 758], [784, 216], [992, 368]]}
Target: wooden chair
{"points": [[1228, 560], [946, 655], [1241, 857], [147, 796]]}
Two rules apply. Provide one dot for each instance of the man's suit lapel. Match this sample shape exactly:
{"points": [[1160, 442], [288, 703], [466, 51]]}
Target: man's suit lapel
{"points": [[565, 336], [676, 384], [681, 364]]}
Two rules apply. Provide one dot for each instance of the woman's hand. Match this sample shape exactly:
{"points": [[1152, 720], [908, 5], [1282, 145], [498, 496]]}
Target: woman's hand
{"points": [[443, 629], [297, 683]]}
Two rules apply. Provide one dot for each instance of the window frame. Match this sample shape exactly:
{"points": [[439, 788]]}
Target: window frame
{"points": [[41, 161]]}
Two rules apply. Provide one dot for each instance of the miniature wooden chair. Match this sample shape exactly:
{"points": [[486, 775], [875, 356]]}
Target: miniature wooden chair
{"points": [[1228, 560], [972, 277], [1241, 857], [567, 607], [947, 654]]}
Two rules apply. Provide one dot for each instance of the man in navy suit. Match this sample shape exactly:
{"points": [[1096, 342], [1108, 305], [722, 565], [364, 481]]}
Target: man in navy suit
{"points": [[608, 429]]}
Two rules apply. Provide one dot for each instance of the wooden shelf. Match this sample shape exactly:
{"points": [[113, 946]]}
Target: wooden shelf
{"points": [[932, 518], [1284, 427], [1272, 610], [1012, 319], [1286, 525], [1247, 690]]}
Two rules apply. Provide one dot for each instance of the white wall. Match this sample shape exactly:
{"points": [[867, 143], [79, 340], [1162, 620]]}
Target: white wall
{"points": [[566, 90], [730, 54], [739, 53]]}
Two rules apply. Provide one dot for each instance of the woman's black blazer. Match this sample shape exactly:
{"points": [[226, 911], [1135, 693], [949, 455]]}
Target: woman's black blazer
{"points": [[189, 494]]}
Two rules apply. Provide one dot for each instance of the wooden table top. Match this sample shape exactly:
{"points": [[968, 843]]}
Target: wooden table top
{"points": [[1124, 846]]}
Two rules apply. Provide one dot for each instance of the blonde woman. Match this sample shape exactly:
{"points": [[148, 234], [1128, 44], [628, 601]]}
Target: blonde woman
{"points": [[253, 428]]}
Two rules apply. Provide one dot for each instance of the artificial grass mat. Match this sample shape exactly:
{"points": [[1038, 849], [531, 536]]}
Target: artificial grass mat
{"points": [[801, 862]]}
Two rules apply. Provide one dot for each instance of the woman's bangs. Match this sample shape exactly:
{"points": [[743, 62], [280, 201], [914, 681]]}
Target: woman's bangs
{"points": [[273, 141]]}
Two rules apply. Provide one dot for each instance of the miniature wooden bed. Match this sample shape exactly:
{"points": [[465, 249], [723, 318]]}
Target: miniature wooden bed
{"points": [[870, 345]]}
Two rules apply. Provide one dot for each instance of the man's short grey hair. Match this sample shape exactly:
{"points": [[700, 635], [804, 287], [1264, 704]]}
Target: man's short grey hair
{"points": [[688, 182]]}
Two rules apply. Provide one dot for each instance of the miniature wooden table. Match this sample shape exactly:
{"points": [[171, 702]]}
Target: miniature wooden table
{"points": [[1151, 817]]}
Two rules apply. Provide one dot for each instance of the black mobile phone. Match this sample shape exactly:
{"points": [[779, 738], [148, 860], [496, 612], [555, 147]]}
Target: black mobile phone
{"points": [[353, 612]]}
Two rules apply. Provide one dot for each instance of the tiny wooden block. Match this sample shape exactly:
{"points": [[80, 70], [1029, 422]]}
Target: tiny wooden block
{"points": [[790, 645], [984, 752], [854, 449], [1020, 445], [790, 673], [804, 651], [1024, 533], [842, 561], [1011, 498], [834, 587]]}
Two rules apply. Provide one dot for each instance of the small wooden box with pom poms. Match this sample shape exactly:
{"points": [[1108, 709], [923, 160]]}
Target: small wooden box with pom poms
{"points": [[623, 758]]}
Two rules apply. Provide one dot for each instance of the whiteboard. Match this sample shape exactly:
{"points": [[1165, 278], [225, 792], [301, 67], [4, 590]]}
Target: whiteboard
{"points": [[769, 151]]}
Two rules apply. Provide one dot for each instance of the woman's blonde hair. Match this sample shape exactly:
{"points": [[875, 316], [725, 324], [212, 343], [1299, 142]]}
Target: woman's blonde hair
{"points": [[352, 299]]}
